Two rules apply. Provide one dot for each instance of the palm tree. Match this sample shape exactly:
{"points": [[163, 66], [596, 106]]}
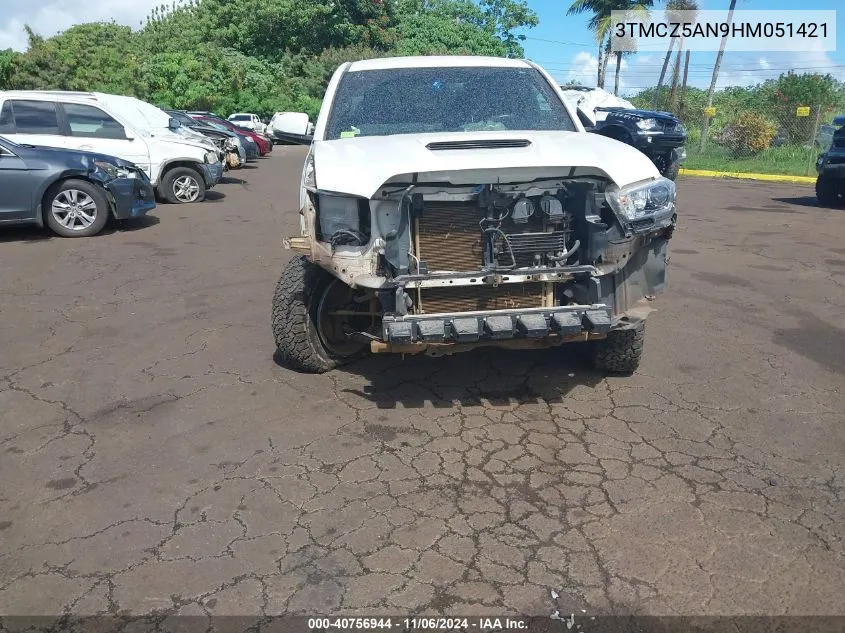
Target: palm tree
{"points": [[705, 126], [673, 7], [682, 105], [601, 23]]}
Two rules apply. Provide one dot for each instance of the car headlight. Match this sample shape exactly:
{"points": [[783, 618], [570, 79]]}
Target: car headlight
{"points": [[114, 171], [309, 176], [211, 157], [647, 124], [231, 143], [655, 198]]}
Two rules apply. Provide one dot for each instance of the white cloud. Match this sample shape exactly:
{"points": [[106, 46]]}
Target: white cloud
{"points": [[585, 67], [584, 70], [49, 17]]}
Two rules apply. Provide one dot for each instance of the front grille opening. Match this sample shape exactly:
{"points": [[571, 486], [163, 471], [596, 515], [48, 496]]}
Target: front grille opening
{"points": [[478, 297]]}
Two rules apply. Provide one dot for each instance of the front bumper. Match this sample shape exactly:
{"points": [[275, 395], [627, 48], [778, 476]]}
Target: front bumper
{"points": [[560, 324], [212, 174], [131, 197], [660, 141]]}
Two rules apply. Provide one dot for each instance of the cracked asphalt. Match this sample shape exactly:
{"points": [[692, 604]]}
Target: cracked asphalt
{"points": [[153, 457]]}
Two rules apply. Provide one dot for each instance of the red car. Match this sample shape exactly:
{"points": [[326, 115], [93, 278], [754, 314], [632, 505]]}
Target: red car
{"points": [[265, 146]]}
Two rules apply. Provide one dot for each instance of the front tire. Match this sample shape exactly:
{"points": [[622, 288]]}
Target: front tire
{"points": [[304, 296], [76, 208], [182, 185], [826, 191], [620, 352]]}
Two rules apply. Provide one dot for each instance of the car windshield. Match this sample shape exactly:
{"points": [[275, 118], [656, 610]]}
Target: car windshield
{"points": [[444, 99], [215, 125], [240, 117], [183, 118]]}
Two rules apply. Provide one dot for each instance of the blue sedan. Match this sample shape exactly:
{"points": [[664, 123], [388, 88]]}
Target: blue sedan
{"points": [[70, 191]]}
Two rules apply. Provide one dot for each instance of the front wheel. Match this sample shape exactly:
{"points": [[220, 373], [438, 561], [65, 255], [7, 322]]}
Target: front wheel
{"points": [[76, 208], [826, 191], [181, 185], [667, 167], [314, 315], [620, 352]]}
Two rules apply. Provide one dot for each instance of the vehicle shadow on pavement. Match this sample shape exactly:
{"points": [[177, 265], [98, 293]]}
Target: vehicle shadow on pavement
{"points": [[132, 224], [214, 196], [32, 233], [232, 180], [801, 201], [484, 377]]}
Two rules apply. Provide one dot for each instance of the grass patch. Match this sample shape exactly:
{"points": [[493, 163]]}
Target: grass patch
{"points": [[792, 160]]}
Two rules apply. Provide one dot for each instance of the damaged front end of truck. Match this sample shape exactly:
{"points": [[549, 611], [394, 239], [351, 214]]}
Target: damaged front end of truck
{"points": [[487, 243]]}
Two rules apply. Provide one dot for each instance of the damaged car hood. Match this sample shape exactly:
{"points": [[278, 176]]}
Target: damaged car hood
{"points": [[361, 165]]}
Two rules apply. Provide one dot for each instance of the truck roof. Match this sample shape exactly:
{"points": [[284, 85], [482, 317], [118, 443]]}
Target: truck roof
{"points": [[436, 61]]}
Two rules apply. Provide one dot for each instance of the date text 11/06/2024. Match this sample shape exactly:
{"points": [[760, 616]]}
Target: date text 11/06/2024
{"points": [[481, 624]]}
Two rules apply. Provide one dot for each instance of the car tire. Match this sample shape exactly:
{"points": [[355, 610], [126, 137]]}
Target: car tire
{"points": [[620, 352], [183, 185], [297, 305], [76, 208], [826, 191], [672, 171]]}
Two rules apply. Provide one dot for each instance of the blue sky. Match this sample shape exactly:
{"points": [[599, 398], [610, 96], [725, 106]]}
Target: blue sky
{"points": [[565, 47], [561, 43]]}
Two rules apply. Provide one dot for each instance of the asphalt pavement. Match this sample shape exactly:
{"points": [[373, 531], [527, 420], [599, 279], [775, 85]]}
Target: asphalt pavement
{"points": [[153, 456]]}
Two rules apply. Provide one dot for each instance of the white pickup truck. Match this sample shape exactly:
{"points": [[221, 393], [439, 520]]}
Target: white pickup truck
{"points": [[448, 203]]}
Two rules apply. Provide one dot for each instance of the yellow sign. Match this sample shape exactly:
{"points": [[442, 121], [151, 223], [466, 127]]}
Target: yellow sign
{"points": [[802, 111], [710, 111]]}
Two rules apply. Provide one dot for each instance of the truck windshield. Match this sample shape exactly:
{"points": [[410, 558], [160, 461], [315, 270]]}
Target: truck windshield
{"points": [[444, 99]]}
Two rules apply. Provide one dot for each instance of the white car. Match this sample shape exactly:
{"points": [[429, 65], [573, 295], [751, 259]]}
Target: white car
{"points": [[448, 203], [286, 123], [180, 167], [249, 121]]}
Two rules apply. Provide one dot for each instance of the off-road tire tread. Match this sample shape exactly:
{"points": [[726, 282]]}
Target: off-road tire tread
{"points": [[672, 171], [293, 327], [826, 191], [620, 352]]}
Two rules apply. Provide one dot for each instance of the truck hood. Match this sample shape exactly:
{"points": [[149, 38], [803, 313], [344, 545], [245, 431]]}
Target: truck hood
{"points": [[360, 166]]}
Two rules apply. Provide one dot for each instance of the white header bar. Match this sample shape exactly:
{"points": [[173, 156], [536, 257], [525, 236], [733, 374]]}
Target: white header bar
{"points": [[764, 30]]}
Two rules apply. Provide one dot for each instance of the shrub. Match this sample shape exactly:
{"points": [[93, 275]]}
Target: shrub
{"points": [[748, 134]]}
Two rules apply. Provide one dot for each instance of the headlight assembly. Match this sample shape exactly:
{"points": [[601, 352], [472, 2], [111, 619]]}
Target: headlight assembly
{"points": [[651, 199], [647, 124], [114, 171], [211, 157]]}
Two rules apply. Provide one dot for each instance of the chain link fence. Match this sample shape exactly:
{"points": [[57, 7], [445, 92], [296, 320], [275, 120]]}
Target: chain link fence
{"points": [[747, 133], [761, 142]]}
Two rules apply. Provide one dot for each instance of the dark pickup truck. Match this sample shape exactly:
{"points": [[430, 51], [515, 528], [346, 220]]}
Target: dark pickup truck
{"points": [[830, 184], [659, 135]]}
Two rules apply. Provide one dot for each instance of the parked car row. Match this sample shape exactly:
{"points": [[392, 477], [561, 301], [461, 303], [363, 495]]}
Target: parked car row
{"points": [[69, 160]]}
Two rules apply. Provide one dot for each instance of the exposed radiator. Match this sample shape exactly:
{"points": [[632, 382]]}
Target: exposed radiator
{"points": [[450, 237], [467, 299]]}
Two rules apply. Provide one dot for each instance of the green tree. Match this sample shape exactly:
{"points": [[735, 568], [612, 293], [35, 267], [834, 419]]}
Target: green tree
{"points": [[818, 92], [95, 56], [9, 60], [599, 24]]}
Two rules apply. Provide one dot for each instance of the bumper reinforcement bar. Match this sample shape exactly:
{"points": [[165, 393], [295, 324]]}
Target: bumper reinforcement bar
{"points": [[497, 325]]}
